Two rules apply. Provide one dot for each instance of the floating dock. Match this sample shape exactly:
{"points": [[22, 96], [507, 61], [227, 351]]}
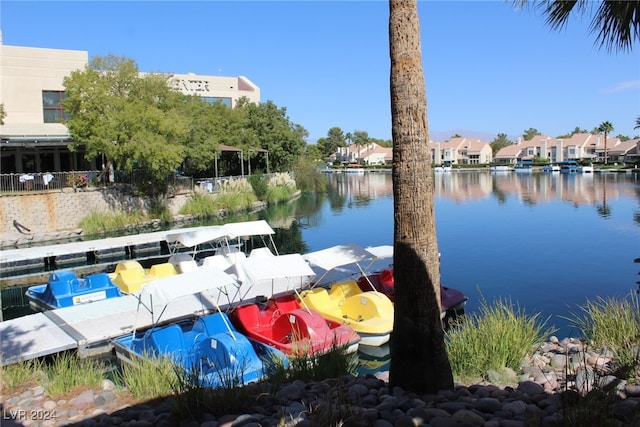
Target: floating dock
{"points": [[89, 328]]}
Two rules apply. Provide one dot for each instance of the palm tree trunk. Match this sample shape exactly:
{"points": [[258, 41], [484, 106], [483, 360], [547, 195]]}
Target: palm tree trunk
{"points": [[419, 359]]}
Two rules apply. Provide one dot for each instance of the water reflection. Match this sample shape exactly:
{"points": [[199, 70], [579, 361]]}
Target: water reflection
{"points": [[594, 189]]}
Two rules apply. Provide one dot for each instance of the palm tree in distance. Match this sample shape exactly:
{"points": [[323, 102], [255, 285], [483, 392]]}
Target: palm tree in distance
{"points": [[616, 22], [606, 128]]}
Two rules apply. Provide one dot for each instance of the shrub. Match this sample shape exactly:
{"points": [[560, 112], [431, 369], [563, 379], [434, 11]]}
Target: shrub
{"points": [[613, 324], [498, 337], [259, 184], [77, 180], [149, 377], [309, 178]]}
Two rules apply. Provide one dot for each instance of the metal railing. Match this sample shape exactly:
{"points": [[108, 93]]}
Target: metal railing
{"points": [[12, 183]]}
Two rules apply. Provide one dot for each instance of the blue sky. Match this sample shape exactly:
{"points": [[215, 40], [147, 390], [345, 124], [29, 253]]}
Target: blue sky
{"points": [[488, 68]]}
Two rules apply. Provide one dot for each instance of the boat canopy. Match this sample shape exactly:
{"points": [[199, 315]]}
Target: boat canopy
{"points": [[189, 239], [162, 291], [381, 252], [284, 272], [248, 228], [339, 256], [218, 236]]}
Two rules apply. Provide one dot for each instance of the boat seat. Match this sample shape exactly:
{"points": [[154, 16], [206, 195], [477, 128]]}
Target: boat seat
{"points": [[186, 266], [211, 324], [261, 253], [286, 303], [290, 328], [129, 281], [168, 340], [61, 282], [164, 269], [251, 316], [233, 257], [97, 281], [219, 261], [129, 265]]}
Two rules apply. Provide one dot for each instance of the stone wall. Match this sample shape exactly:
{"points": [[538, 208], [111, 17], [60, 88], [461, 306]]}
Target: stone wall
{"points": [[59, 211]]}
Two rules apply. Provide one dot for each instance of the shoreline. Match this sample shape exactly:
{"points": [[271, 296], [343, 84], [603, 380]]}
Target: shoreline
{"points": [[558, 374]]}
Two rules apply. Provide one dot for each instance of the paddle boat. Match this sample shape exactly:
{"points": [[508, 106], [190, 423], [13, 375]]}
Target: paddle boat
{"points": [[525, 166], [130, 276], [568, 166], [280, 320], [500, 168], [209, 347], [551, 168], [585, 168], [65, 289], [296, 331], [369, 313], [452, 301]]}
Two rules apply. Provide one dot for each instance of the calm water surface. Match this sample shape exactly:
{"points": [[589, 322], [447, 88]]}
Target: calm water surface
{"points": [[545, 242]]}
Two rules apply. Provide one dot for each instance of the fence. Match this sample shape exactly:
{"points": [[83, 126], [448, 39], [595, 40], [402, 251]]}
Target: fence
{"points": [[44, 181], [13, 183]]}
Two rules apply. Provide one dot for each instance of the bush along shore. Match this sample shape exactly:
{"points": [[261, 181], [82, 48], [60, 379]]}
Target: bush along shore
{"points": [[569, 382]]}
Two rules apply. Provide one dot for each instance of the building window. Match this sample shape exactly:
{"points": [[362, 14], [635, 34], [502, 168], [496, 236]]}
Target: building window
{"points": [[213, 100], [52, 108]]}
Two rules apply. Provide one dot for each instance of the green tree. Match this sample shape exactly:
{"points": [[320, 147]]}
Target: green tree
{"points": [[637, 123], [207, 124], [615, 22], [499, 142], [529, 134], [335, 138], [361, 138], [133, 121], [420, 362], [348, 137], [268, 127], [606, 128]]}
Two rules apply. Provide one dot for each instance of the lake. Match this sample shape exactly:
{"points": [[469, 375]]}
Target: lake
{"points": [[546, 242]]}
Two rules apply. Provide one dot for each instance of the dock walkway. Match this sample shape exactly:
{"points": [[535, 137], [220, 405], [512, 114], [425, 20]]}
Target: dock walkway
{"points": [[89, 328]]}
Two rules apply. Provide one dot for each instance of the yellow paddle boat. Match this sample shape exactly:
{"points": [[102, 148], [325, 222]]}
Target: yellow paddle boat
{"points": [[369, 313]]}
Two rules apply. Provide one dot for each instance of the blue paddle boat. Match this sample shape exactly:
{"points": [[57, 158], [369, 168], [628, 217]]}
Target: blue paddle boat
{"points": [[65, 289], [209, 347]]}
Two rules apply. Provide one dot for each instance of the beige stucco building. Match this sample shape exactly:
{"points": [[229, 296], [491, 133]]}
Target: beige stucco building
{"points": [[32, 138]]}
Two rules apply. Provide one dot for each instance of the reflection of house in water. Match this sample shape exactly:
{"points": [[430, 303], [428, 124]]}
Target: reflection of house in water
{"points": [[370, 185], [461, 186]]}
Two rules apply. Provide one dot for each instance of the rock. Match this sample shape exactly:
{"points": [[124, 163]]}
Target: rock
{"points": [[530, 387]]}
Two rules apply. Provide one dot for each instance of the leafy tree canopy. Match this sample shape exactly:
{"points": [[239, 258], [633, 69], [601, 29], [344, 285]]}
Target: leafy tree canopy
{"points": [[132, 120], [361, 137], [137, 121], [329, 145], [528, 134], [499, 142]]}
